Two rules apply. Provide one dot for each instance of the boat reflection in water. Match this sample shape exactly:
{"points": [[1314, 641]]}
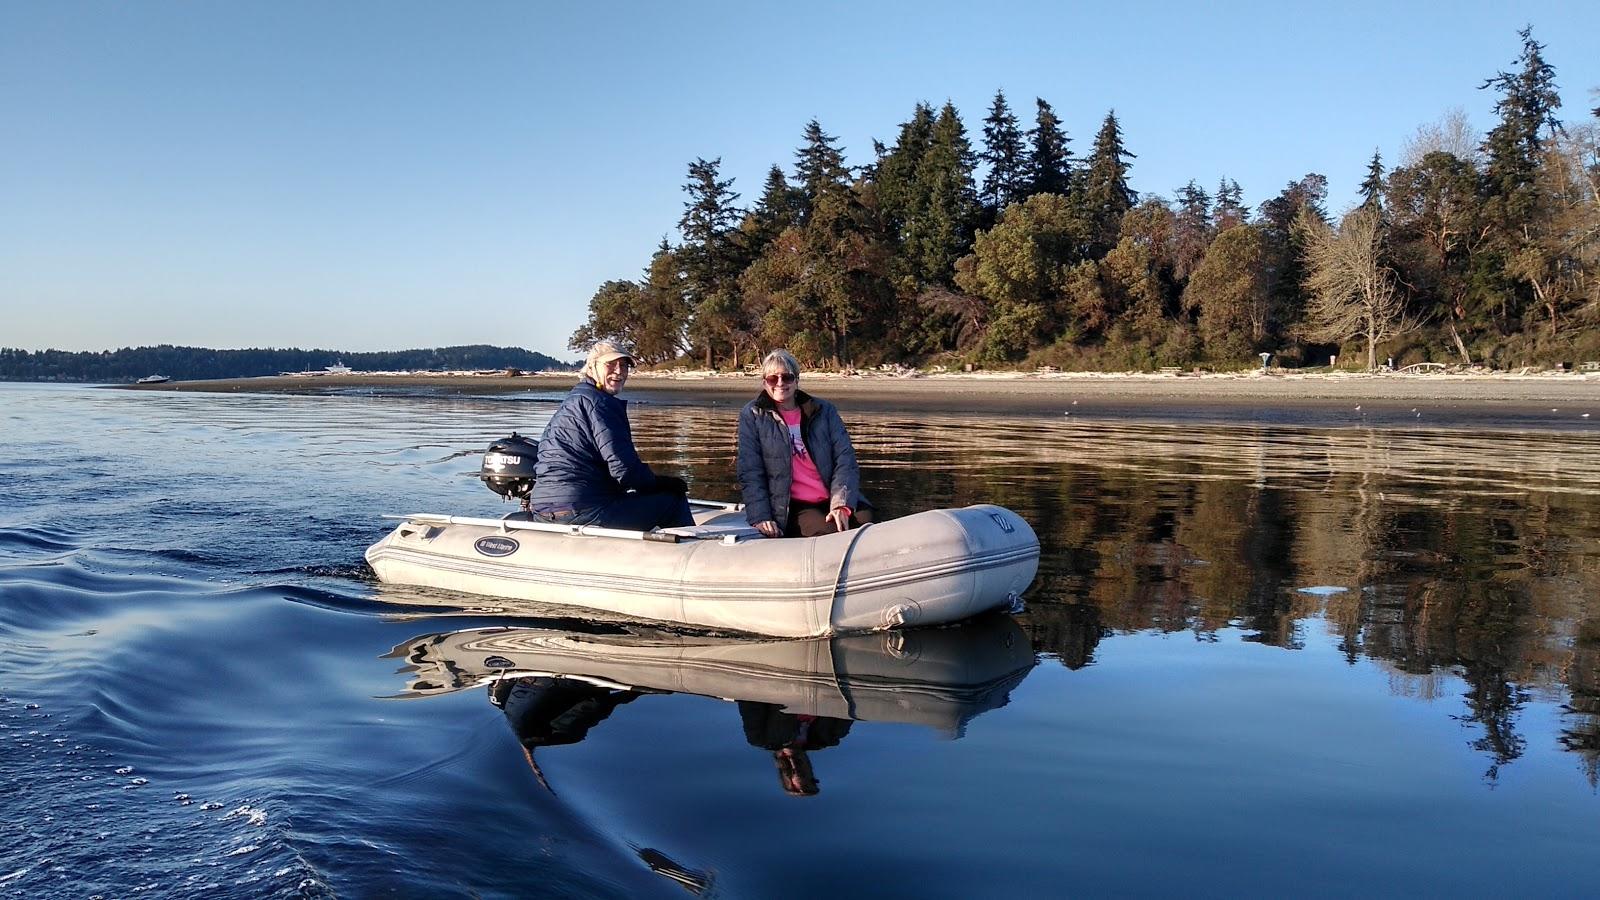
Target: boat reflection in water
{"points": [[794, 696]]}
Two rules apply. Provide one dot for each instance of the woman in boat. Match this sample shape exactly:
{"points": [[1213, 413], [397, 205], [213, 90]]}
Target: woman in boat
{"points": [[797, 469], [588, 471]]}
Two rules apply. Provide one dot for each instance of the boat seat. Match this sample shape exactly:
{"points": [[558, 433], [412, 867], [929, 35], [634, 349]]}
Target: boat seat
{"points": [[727, 533]]}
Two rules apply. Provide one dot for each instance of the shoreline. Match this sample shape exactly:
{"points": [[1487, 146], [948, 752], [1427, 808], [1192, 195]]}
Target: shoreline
{"points": [[1544, 401]]}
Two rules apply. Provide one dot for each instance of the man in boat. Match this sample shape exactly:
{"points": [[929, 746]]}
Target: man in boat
{"points": [[588, 471], [797, 468]]}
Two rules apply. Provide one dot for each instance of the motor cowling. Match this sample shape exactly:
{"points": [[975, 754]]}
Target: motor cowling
{"points": [[508, 466]]}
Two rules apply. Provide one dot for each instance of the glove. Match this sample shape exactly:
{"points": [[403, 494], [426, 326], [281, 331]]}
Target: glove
{"points": [[669, 484]]}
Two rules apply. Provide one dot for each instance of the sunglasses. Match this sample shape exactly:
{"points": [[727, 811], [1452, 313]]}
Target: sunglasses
{"points": [[781, 378]]}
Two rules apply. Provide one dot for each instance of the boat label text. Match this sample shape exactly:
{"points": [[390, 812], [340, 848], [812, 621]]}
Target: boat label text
{"points": [[495, 546]]}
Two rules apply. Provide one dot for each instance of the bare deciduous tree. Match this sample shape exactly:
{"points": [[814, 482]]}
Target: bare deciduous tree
{"points": [[1560, 253], [1352, 292], [1452, 133]]}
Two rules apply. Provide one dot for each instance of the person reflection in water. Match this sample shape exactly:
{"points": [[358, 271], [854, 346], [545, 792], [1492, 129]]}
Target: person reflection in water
{"points": [[790, 736], [546, 712]]}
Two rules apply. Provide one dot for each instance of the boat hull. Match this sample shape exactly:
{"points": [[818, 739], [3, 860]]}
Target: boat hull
{"points": [[928, 568]]}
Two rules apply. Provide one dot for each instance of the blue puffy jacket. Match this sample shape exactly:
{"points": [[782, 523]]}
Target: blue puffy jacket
{"points": [[586, 455]]}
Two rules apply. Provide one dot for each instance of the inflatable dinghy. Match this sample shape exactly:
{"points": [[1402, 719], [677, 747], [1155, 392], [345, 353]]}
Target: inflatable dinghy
{"points": [[928, 568]]}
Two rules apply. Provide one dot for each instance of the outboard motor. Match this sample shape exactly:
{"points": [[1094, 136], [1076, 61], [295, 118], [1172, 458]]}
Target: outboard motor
{"points": [[508, 467]]}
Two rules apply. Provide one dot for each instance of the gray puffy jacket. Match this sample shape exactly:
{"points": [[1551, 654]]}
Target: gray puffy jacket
{"points": [[765, 457]]}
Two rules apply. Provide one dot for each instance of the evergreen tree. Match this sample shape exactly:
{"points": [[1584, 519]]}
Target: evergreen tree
{"points": [[648, 315], [1006, 178], [1309, 193], [1372, 186], [1192, 230], [711, 257], [821, 279], [709, 214], [1106, 196], [662, 310], [1514, 149], [1228, 294], [1527, 105], [902, 203], [1019, 268], [948, 200], [1434, 210], [779, 207], [819, 168], [1283, 265], [1050, 161], [1230, 209]]}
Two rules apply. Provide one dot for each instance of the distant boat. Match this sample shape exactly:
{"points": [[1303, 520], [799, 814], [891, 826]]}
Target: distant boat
{"points": [[154, 379], [338, 368]]}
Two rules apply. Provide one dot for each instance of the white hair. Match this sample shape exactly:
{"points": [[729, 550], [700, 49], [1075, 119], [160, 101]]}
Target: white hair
{"points": [[781, 359]]}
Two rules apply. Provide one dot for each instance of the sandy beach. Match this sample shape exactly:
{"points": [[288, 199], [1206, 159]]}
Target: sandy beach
{"points": [[1561, 400]]}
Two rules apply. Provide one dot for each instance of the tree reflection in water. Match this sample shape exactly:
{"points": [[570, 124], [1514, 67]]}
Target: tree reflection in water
{"points": [[1445, 553]]}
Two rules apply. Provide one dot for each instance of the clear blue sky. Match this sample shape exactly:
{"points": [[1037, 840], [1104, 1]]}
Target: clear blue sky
{"points": [[387, 175]]}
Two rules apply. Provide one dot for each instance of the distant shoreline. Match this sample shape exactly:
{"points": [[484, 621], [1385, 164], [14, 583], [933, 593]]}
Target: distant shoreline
{"points": [[1548, 400]]}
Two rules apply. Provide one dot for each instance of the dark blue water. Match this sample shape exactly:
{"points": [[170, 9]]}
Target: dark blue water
{"points": [[1257, 661]]}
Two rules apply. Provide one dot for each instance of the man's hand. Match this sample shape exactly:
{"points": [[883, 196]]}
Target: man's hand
{"points": [[768, 528], [669, 484]]}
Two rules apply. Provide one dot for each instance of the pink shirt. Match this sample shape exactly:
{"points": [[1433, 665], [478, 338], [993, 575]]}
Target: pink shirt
{"points": [[807, 486]]}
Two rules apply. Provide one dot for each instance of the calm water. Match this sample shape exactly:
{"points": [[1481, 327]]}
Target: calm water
{"points": [[1258, 660]]}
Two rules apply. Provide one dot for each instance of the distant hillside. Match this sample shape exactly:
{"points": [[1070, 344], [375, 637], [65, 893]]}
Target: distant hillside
{"points": [[195, 363]]}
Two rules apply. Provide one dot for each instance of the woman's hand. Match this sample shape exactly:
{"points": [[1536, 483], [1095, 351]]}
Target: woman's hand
{"points": [[768, 528], [840, 517]]}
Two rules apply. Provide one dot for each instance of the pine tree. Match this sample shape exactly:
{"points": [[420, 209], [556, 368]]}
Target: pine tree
{"points": [[825, 276], [711, 256], [779, 207], [949, 200], [1372, 187], [900, 202], [1515, 149], [662, 310], [1527, 105], [1006, 180], [709, 214], [1050, 161], [1229, 209], [1106, 195], [1192, 230], [1284, 220], [819, 168]]}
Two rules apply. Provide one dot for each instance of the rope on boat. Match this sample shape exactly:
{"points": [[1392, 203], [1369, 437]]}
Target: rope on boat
{"points": [[838, 577]]}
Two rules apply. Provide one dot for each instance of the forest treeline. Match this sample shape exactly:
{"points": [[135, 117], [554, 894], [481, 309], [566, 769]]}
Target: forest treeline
{"points": [[194, 363], [1477, 249]]}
